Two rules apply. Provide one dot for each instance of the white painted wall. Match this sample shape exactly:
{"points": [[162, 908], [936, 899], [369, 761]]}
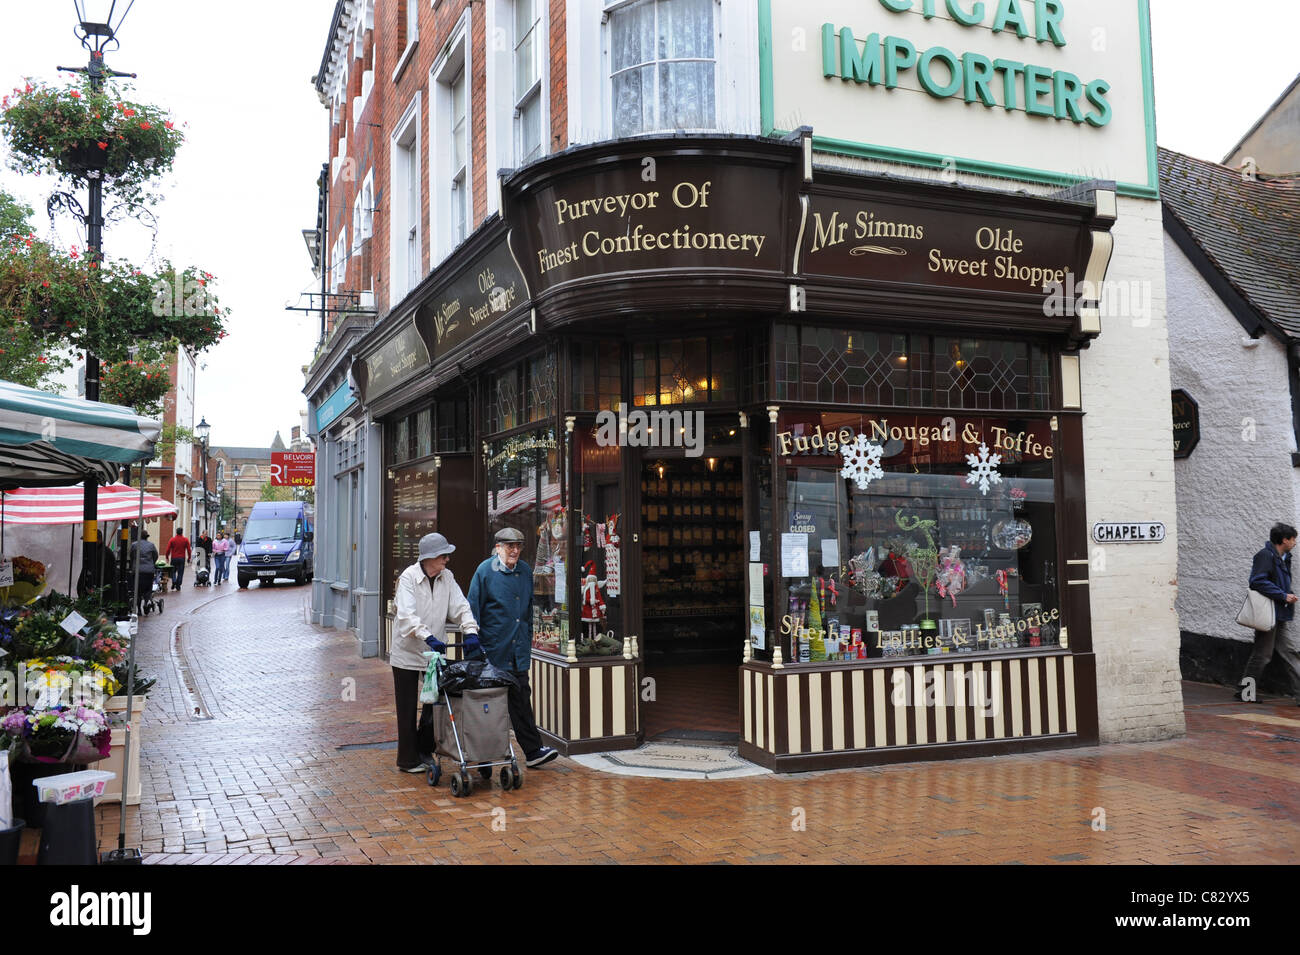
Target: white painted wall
{"points": [[1128, 447], [1239, 480]]}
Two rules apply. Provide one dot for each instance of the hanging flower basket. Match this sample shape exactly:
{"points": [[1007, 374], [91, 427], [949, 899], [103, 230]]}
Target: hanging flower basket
{"points": [[139, 385], [75, 130]]}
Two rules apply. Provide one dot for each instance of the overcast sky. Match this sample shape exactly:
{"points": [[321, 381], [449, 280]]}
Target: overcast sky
{"points": [[244, 185]]}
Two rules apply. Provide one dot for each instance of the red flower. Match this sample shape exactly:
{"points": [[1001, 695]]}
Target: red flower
{"points": [[76, 95], [168, 124], [144, 125], [128, 113], [45, 284], [102, 145]]}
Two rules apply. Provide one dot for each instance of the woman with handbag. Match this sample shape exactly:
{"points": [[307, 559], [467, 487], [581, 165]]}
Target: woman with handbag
{"points": [[1270, 575]]}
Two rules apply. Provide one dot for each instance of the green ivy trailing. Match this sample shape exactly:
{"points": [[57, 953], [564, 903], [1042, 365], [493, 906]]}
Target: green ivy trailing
{"points": [[71, 130]]}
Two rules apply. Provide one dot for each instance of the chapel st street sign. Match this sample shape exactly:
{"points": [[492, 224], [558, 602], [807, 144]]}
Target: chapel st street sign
{"points": [[1138, 532]]}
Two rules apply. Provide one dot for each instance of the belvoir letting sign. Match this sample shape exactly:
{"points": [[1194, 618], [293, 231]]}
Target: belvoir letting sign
{"points": [[855, 236], [477, 297], [646, 213], [1049, 91], [293, 468]]}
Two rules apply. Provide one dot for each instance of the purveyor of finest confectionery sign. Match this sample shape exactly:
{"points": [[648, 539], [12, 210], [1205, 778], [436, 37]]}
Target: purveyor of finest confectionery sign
{"points": [[1040, 90], [655, 214], [857, 237]]}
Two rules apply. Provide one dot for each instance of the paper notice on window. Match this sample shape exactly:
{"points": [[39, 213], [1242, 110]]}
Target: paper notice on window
{"points": [[755, 585], [794, 555], [831, 553], [6, 572], [561, 583], [757, 629], [753, 545]]}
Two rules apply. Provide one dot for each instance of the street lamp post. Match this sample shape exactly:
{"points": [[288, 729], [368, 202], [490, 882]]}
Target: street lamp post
{"points": [[98, 23], [238, 469], [203, 430]]}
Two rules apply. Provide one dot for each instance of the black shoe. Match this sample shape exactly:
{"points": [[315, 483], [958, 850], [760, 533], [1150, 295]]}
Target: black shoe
{"points": [[540, 757]]}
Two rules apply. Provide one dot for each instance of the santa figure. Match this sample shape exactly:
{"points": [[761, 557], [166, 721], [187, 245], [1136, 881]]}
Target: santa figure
{"points": [[593, 604]]}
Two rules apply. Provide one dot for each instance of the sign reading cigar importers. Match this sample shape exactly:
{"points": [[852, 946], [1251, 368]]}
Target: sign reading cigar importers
{"points": [[654, 214], [860, 238]]}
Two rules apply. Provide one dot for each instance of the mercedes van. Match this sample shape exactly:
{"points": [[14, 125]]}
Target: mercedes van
{"points": [[277, 542]]}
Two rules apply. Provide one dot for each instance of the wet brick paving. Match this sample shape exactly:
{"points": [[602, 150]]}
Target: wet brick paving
{"points": [[271, 773]]}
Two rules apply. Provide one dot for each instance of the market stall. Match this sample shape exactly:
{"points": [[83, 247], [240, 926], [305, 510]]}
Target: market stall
{"points": [[64, 658]]}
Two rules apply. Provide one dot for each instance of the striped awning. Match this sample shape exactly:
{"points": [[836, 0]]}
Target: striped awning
{"points": [[48, 439], [63, 505]]}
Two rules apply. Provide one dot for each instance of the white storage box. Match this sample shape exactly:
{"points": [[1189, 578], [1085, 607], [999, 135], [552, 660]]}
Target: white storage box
{"points": [[70, 787]]}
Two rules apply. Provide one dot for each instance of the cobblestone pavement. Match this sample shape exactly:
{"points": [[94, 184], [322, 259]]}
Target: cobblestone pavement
{"points": [[259, 776]]}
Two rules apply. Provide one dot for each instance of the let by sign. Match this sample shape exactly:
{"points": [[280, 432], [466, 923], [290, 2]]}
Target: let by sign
{"points": [[293, 468]]}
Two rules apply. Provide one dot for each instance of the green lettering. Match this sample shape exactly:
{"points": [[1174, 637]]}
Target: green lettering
{"points": [[828, 50], [949, 59], [899, 55], [1009, 15], [1066, 90], [977, 71], [966, 19], [864, 67], [1009, 69], [897, 6], [1038, 80], [1096, 93], [1048, 15], [927, 9]]}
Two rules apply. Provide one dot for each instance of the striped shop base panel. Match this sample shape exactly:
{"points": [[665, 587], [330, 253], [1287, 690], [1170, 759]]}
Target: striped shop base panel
{"points": [[803, 719], [587, 707]]}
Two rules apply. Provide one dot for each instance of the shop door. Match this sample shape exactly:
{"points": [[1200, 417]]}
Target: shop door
{"points": [[354, 535], [460, 519], [604, 550], [693, 616]]}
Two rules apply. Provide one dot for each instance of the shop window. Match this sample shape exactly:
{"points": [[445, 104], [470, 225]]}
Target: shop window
{"points": [[503, 401], [597, 376], [754, 369], [598, 584], [453, 425], [679, 371], [401, 449], [990, 375], [424, 433], [541, 387], [662, 66], [863, 367], [941, 541], [523, 486]]}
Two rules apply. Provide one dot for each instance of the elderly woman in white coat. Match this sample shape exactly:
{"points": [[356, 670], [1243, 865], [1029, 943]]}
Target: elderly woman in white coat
{"points": [[428, 599]]}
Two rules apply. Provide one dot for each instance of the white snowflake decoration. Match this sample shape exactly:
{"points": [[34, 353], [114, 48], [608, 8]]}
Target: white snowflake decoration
{"points": [[984, 469], [862, 461]]}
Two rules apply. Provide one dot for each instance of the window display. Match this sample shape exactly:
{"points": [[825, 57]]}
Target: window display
{"points": [[524, 493], [910, 535], [597, 497]]}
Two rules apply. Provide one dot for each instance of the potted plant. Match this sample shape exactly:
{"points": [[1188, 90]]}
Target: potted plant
{"points": [[75, 130]]}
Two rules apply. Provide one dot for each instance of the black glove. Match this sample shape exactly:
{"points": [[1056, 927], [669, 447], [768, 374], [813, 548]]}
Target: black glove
{"points": [[435, 644], [472, 646]]}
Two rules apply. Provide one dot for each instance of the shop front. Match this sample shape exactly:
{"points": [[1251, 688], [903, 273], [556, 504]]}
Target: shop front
{"points": [[798, 453]]}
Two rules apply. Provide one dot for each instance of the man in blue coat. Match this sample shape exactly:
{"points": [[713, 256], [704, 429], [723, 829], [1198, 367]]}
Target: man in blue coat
{"points": [[501, 599], [1270, 574]]}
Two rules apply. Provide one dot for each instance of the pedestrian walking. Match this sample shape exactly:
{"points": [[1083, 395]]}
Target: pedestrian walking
{"points": [[203, 552], [1270, 574], [145, 555], [501, 599], [428, 598], [178, 551], [221, 557]]}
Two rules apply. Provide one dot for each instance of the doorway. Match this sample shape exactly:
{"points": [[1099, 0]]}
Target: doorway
{"points": [[693, 613]]}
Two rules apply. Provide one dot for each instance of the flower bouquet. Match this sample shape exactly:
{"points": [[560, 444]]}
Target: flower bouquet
{"points": [[29, 582], [57, 734]]}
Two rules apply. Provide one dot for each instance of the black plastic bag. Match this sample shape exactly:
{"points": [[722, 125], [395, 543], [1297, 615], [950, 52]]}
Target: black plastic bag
{"points": [[472, 675]]}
